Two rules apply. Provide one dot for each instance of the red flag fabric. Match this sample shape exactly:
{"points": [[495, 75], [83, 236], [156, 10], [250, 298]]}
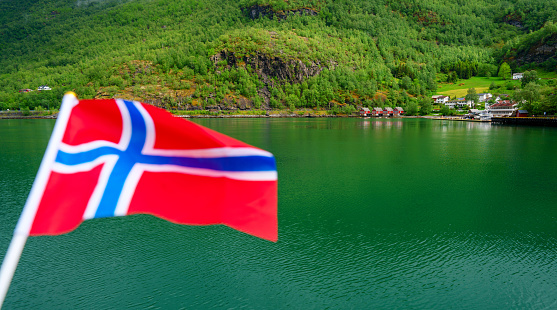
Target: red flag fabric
{"points": [[117, 157]]}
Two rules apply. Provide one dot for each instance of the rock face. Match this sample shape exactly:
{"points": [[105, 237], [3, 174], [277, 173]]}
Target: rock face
{"points": [[270, 68], [259, 11], [539, 53], [516, 23], [274, 69], [294, 71], [514, 20]]}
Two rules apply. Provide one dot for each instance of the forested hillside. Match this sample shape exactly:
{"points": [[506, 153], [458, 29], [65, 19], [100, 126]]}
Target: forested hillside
{"points": [[264, 54]]}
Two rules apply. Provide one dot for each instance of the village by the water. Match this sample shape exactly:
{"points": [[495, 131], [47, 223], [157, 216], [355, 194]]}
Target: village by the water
{"points": [[497, 109], [500, 106], [485, 107]]}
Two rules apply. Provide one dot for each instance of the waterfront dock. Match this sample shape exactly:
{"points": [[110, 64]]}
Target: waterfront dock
{"points": [[528, 121]]}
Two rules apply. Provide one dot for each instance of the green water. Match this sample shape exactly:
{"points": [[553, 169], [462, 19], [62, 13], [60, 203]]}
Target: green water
{"points": [[373, 214]]}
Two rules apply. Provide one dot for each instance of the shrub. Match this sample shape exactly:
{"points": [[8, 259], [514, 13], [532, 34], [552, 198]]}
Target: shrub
{"points": [[348, 109]]}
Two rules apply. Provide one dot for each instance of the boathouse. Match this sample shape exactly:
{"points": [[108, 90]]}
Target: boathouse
{"points": [[365, 112], [521, 113], [377, 111], [399, 111], [388, 111]]}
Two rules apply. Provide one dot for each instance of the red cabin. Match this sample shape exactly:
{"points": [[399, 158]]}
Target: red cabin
{"points": [[365, 112], [399, 111], [377, 111], [389, 111], [521, 113]]}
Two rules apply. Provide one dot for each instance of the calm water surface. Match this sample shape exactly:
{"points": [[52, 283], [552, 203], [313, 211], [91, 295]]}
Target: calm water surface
{"points": [[373, 214]]}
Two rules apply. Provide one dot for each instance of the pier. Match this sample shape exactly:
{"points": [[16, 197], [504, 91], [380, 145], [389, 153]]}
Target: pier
{"points": [[528, 121]]}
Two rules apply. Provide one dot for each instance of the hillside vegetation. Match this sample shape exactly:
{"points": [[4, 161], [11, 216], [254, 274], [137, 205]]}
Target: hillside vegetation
{"points": [[265, 54]]}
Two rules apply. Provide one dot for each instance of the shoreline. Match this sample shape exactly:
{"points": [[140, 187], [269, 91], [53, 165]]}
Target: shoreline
{"points": [[12, 115], [18, 115], [502, 121], [55, 116]]}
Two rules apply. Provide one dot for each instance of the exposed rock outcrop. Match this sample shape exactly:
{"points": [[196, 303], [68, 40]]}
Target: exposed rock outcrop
{"points": [[273, 69], [259, 11], [514, 19], [269, 68], [539, 53]]}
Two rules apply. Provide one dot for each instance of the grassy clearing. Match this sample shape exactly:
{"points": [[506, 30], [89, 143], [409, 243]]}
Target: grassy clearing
{"points": [[481, 84], [459, 93], [460, 88], [546, 75]]}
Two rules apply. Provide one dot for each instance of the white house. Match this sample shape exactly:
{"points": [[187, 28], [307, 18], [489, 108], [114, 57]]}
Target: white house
{"points": [[484, 97], [442, 99], [459, 103], [517, 76]]}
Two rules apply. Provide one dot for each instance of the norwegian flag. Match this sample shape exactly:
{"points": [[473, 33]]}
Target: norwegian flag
{"points": [[118, 157]]}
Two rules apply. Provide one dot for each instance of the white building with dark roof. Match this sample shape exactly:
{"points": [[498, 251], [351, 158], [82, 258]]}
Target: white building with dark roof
{"points": [[484, 97], [502, 108], [459, 103], [442, 99]]}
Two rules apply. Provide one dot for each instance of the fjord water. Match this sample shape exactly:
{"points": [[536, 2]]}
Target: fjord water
{"points": [[373, 214]]}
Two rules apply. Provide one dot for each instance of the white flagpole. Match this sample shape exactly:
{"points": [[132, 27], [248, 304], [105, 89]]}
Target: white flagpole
{"points": [[10, 264], [25, 222]]}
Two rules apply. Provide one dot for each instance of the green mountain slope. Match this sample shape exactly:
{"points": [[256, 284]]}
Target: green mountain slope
{"points": [[262, 54]]}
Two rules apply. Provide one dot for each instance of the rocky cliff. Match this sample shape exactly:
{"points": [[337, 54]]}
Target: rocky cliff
{"points": [[259, 11], [539, 52], [273, 69]]}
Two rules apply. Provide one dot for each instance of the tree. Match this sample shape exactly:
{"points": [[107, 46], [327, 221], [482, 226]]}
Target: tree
{"points": [[425, 106], [292, 101], [406, 82], [528, 97], [368, 88], [549, 102], [487, 70], [472, 96], [505, 71], [452, 77], [529, 77], [431, 84], [412, 108], [510, 86], [445, 110]]}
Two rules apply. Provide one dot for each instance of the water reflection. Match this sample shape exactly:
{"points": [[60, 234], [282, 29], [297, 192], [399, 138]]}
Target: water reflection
{"points": [[375, 124], [389, 214]]}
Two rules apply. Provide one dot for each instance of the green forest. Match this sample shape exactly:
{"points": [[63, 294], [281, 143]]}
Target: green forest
{"points": [[260, 55]]}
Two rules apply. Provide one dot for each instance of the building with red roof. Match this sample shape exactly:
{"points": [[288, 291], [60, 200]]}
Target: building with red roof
{"points": [[502, 108]]}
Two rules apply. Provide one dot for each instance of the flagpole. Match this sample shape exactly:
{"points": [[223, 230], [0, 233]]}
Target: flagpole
{"points": [[25, 221], [10, 264]]}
